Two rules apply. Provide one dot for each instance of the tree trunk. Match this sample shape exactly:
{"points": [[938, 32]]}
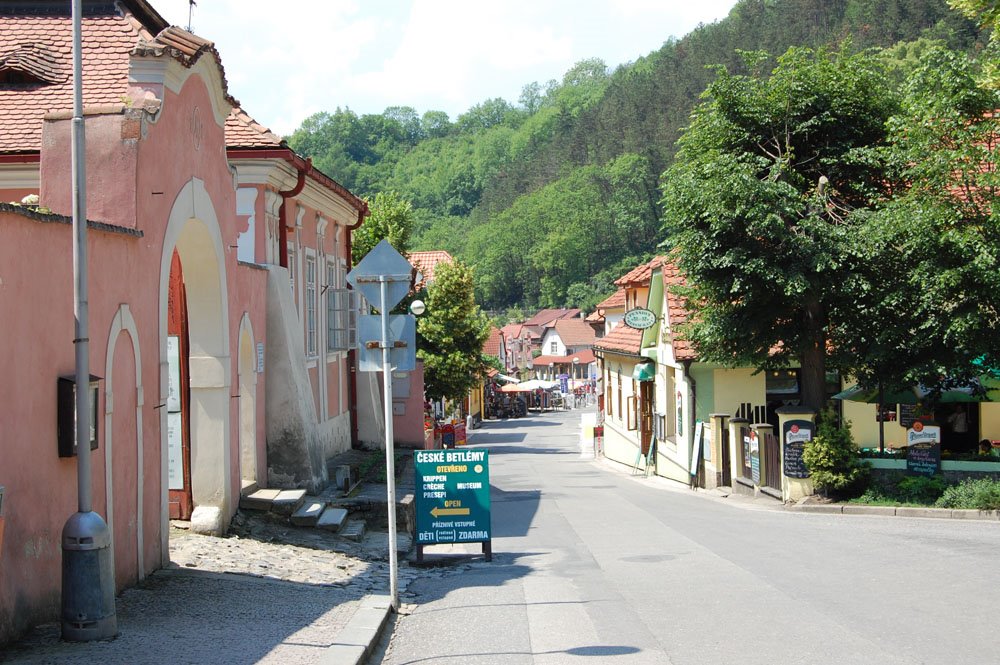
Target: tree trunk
{"points": [[814, 357]]}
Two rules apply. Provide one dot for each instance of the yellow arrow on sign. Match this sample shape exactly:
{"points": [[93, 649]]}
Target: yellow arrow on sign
{"points": [[437, 512]]}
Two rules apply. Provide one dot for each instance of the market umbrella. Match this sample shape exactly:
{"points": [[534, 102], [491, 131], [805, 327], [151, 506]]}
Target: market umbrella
{"points": [[973, 391], [535, 384], [514, 388]]}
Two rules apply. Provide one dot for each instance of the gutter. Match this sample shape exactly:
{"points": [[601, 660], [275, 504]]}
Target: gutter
{"points": [[690, 428], [352, 354], [283, 228]]}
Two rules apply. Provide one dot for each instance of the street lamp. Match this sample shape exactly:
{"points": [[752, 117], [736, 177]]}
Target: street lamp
{"points": [[576, 366]]}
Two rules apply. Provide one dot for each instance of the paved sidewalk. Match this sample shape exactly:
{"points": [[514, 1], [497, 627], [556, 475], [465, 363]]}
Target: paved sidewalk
{"points": [[285, 595]]}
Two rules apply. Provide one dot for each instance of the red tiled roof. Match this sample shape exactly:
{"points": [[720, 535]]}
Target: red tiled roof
{"points": [[615, 301], [639, 276], [41, 46], [512, 330], [242, 131], [108, 40], [425, 262], [545, 316], [595, 317], [493, 343], [575, 332], [677, 310], [586, 356], [622, 339]]}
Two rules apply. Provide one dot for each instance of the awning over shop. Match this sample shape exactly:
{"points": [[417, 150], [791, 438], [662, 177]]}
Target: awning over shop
{"points": [[644, 372], [506, 379]]}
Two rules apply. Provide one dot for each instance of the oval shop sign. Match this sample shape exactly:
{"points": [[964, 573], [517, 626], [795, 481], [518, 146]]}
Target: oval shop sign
{"points": [[640, 318]]}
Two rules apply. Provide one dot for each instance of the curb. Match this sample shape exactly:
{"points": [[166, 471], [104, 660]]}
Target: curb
{"points": [[896, 511], [356, 641]]}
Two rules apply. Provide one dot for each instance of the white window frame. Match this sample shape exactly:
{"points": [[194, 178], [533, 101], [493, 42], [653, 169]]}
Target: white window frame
{"points": [[310, 304]]}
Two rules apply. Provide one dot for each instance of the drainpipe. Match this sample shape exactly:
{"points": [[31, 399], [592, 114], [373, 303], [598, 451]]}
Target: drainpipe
{"points": [[352, 354], [285, 195], [690, 428]]}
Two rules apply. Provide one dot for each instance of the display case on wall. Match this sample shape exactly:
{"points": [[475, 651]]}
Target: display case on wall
{"points": [[66, 415]]}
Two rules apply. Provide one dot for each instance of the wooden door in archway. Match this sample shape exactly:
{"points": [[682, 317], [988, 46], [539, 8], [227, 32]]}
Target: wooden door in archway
{"points": [[179, 400]]}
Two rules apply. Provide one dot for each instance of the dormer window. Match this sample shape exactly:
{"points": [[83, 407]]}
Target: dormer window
{"points": [[30, 66]]}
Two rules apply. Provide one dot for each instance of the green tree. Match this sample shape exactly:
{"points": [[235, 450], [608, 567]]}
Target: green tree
{"points": [[757, 204], [987, 14], [391, 218], [452, 333], [934, 242]]}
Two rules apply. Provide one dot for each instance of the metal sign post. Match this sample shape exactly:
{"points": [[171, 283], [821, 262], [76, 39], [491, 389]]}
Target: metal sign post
{"points": [[383, 276], [88, 584]]}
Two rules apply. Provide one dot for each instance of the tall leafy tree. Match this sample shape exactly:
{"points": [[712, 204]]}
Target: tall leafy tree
{"points": [[391, 218], [757, 205], [936, 240], [452, 333]]}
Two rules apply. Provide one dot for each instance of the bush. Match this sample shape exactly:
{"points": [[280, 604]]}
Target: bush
{"points": [[978, 494], [833, 460], [920, 489]]}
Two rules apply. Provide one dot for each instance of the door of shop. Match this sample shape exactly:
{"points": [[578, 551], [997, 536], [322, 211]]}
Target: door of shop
{"points": [[646, 414], [179, 403]]}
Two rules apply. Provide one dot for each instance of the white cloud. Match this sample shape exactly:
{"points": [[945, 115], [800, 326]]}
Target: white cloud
{"points": [[287, 61]]}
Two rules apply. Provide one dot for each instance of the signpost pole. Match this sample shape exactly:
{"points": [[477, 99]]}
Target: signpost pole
{"points": [[390, 457]]}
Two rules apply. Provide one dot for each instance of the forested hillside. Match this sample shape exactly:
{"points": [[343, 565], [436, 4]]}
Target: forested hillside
{"points": [[554, 196]]}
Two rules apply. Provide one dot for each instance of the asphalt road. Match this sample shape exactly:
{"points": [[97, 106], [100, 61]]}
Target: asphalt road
{"points": [[592, 565]]}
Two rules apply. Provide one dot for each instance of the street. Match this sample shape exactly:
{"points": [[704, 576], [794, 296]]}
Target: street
{"points": [[592, 562]]}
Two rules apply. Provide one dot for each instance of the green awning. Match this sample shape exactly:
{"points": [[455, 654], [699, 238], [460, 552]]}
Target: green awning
{"points": [[644, 372]]}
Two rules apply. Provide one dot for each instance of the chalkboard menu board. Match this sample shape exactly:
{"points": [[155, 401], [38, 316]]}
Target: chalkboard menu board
{"points": [[795, 433], [907, 415], [793, 464], [923, 459]]}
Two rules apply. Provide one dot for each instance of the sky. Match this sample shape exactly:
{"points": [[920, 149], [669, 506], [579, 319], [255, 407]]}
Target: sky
{"points": [[286, 61]]}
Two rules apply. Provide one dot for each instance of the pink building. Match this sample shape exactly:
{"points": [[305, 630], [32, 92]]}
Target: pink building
{"points": [[219, 322]]}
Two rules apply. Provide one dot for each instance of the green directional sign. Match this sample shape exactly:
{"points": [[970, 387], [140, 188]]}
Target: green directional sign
{"points": [[452, 496]]}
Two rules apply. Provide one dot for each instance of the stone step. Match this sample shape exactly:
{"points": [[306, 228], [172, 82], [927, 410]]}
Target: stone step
{"points": [[259, 500], [353, 530], [309, 512], [288, 501], [332, 519], [248, 487]]}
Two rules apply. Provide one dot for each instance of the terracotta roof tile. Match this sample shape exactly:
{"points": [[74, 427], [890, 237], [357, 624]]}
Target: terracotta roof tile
{"points": [[546, 316], [106, 70], [615, 301], [622, 339], [677, 310], [425, 262], [639, 276], [493, 343], [575, 332], [596, 316], [41, 46], [242, 131]]}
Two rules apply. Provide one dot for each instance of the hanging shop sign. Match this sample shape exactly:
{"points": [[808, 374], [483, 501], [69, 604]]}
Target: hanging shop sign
{"points": [[640, 318]]}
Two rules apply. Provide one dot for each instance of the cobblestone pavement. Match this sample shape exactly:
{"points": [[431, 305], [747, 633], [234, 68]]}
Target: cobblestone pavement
{"points": [[269, 593]]}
